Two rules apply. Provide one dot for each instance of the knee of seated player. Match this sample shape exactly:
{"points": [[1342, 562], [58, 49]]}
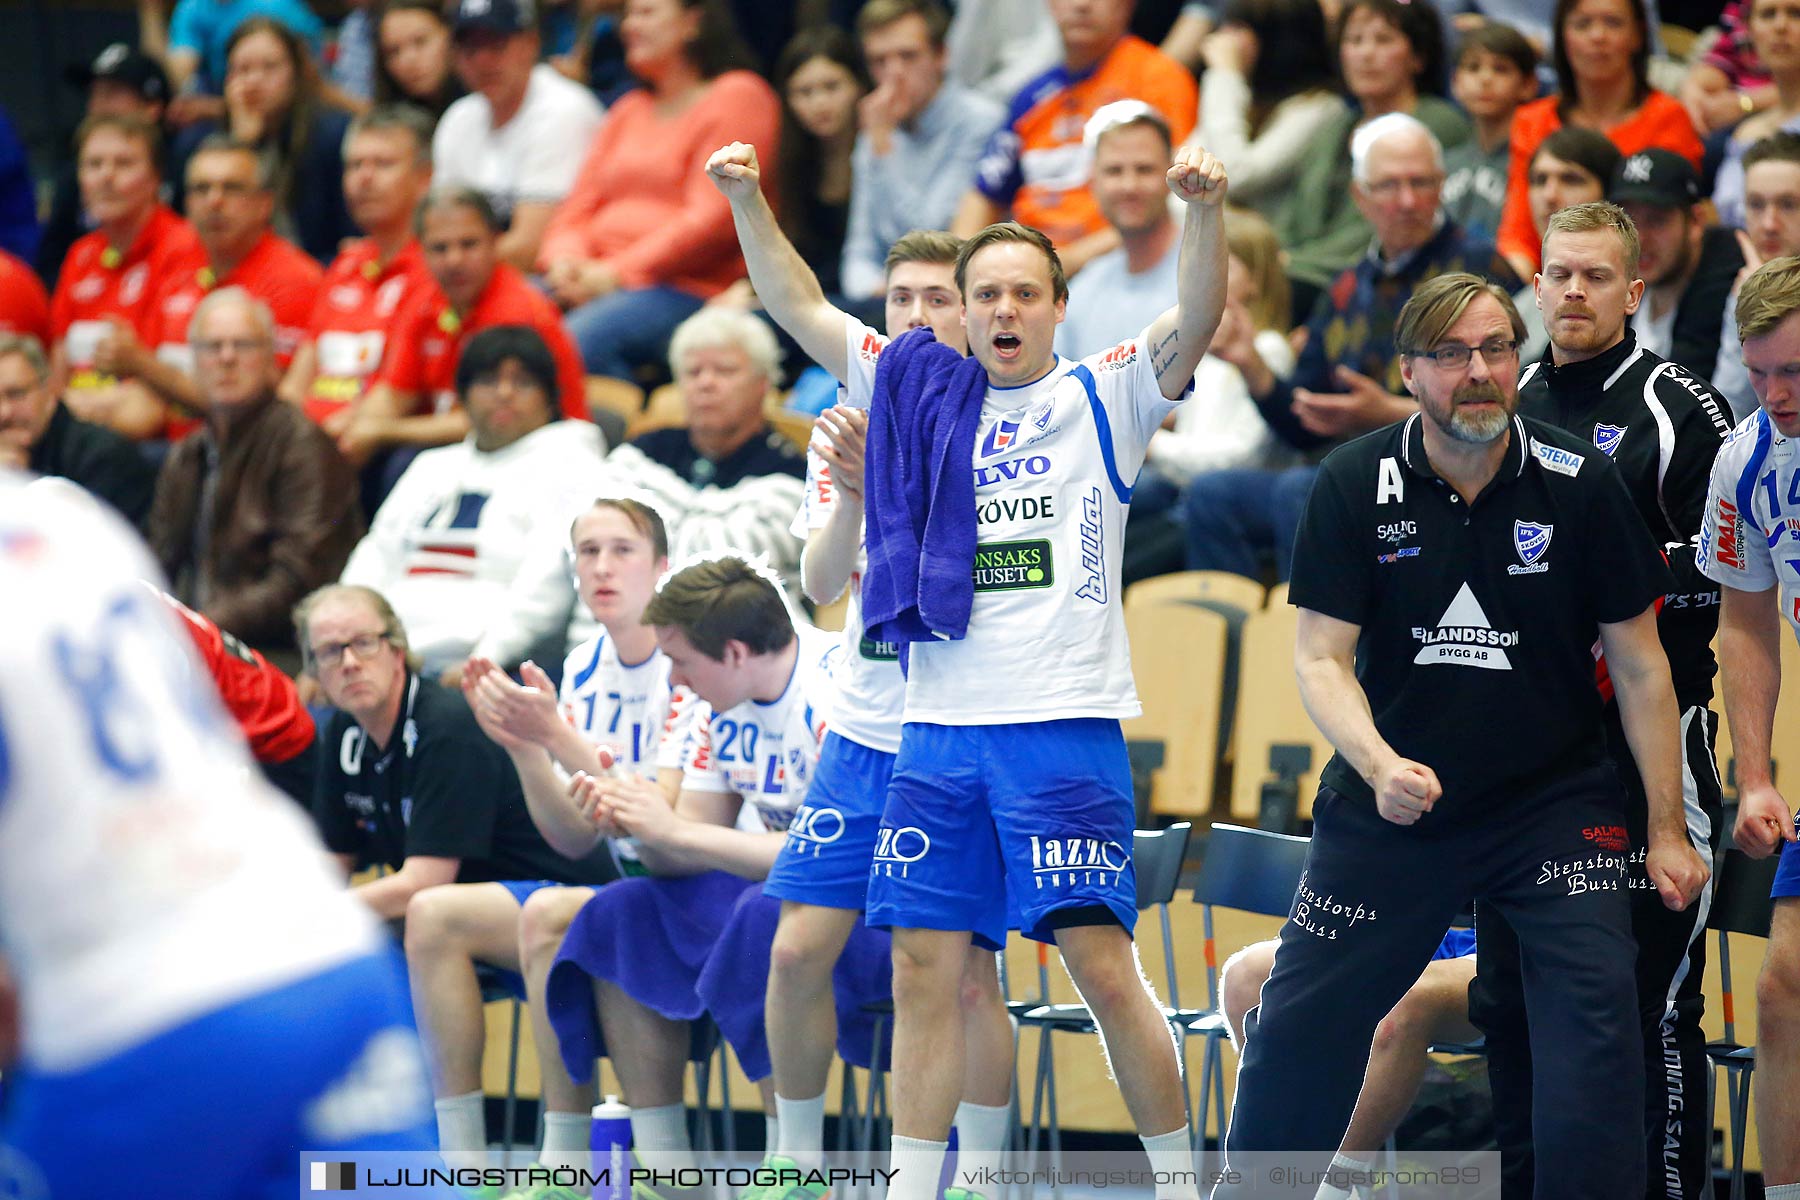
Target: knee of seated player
{"points": [[1241, 982], [434, 920], [545, 919]]}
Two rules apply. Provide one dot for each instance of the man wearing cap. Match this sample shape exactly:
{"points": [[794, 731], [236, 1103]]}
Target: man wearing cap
{"points": [[119, 80], [521, 133], [1688, 267]]}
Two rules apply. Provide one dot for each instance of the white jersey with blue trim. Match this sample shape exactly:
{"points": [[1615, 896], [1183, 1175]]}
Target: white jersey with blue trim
{"points": [[148, 874], [766, 753], [1054, 464], [871, 692], [629, 709], [1750, 539]]}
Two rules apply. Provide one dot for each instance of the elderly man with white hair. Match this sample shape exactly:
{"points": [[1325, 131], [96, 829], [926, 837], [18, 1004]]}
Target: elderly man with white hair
{"points": [[725, 480], [256, 508], [1347, 381]]}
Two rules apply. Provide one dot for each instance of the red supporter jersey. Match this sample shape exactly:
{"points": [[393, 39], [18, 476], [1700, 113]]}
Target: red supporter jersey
{"points": [[259, 698], [356, 309], [278, 273], [24, 305], [98, 283], [429, 337]]}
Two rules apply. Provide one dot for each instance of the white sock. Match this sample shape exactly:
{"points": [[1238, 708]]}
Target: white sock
{"points": [[980, 1140], [918, 1163], [1782, 1191], [566, 1141], [659, 1137], [772, 1130], [462, 1130], [1172, 1154], [1340, 1162], [802, 1130]]}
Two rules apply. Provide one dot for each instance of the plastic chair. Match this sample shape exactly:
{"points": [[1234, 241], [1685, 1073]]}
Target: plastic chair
{"points": [[1156, 856], [1251, 870], [1740, 904]]}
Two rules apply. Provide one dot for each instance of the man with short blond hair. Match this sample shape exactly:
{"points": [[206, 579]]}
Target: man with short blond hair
{"points": [[1661, 426]]}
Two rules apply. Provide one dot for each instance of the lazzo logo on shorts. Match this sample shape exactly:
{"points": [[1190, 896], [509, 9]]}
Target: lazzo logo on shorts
{"points": [[1078, 858], [901, 848], [818, 826], [1011, 566]]}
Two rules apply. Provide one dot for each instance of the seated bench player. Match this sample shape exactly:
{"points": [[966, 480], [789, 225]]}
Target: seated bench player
{"points": [[615, 709], [647, 955]]}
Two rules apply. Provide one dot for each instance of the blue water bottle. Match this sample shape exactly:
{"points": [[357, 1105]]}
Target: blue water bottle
{"points": [[610, 1140]]}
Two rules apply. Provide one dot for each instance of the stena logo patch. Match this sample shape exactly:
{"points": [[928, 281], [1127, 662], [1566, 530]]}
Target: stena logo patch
{"points": [[1531, 541], [1607, 438], [1555, 458]]}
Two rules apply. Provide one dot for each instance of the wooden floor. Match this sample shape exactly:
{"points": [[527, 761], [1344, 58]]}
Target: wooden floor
{"points": [[1088, 1099]]}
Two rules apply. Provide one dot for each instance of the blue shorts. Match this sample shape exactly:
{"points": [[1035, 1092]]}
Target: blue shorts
{"points": [[651, 936], [736, 979], [1039, 813], [224, 1105], [1457, 943], [1787, 872], [825, 860]]}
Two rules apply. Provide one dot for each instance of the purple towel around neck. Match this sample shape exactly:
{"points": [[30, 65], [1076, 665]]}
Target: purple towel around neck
{"points": [[919, 488]]}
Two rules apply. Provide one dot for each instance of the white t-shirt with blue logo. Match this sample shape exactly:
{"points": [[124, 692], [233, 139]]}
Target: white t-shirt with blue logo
{"points": [[871, 696], [766, 753], [1054, 463], [1750, 539], [630, 710]]}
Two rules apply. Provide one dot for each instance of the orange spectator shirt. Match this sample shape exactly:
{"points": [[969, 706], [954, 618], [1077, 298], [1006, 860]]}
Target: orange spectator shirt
{"points": [[642, 201], [359, 302], [24, 305], [278, 273], [98, 283], [1037, 165], [429, 336], [1660, 121]]}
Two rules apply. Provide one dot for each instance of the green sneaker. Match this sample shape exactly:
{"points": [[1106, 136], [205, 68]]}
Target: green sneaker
{"points": [[791, 1189], [548, 1191], [669, 1191]]}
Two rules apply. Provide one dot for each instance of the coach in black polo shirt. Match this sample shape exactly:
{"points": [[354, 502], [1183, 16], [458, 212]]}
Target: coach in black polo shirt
{"points": [[407, 778], [1453, 573]]}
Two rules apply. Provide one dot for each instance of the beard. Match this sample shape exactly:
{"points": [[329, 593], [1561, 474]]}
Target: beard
{"points": [[1480, 427]]}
